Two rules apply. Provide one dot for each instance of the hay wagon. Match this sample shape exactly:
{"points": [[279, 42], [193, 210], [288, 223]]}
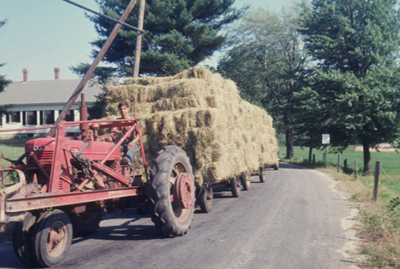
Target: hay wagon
{"points": [[226, 138]]}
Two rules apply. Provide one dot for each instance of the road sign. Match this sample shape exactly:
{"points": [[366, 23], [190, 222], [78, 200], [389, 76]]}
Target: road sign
{"points": [[326, 139]]}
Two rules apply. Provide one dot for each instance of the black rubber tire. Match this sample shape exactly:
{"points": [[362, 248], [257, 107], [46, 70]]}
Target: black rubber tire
{"points": [[87, 222], [169, 216], [52, 221], [22, 238], [276, 166], [262, 174], [235, 187], [205, 199], [245, 181]]}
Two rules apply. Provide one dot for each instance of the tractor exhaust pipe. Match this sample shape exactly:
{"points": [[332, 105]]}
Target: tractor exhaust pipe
{"points": [[84, 117]]}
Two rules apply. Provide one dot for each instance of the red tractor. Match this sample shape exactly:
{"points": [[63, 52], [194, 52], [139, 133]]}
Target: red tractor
{"points": [[61, 186]]}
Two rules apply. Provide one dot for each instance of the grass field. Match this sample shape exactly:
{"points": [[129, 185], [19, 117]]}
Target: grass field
{"points": [[12, 149], [390, 163]]}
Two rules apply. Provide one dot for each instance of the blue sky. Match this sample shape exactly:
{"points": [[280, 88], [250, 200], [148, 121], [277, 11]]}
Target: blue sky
{"points": [[43, 34]]}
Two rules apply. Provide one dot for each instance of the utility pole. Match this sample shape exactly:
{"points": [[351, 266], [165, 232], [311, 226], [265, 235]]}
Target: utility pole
{"points": [[138, 50]]}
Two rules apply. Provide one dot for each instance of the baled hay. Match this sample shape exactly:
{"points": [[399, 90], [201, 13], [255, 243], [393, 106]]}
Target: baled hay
{"points": [[202, 113]]}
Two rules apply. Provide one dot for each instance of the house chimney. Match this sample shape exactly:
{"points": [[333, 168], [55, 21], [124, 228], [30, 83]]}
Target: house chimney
{"points": [[25, 75], [56, 73]]}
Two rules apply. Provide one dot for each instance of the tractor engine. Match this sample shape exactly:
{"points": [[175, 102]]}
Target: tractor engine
{"points": [[40, 154]]}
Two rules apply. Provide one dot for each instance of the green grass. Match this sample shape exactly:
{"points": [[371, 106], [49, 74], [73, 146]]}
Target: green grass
{"points": [[390, 161], [11, 148]]}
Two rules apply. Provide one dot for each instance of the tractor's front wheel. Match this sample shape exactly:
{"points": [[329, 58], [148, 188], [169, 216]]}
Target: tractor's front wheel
{"points": [[22, 238], [87, 222], [52, 239], [172, 191]]}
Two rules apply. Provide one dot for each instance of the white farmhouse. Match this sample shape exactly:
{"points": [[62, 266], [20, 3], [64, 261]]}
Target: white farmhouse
{"points": [[38, 103]]}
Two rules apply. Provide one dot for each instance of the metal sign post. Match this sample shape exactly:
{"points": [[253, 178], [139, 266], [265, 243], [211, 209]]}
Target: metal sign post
{"points": [[326, 140]]}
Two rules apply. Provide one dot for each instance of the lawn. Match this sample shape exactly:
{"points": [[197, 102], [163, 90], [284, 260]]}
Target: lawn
{"points": [[12, 149], [390, 163]]}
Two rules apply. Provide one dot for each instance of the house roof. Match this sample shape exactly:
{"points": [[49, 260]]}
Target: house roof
{"points": [[47, 92]]}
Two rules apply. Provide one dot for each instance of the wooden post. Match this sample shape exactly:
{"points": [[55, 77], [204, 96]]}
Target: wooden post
{"points": [[356, 169], [338, 163], [324, 159], [376, 181], [138, 50], [313, 159]]}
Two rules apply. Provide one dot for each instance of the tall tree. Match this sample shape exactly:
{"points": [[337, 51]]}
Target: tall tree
{"points": [[267, 61], [179, 34], [356, 86], [3, 80]]}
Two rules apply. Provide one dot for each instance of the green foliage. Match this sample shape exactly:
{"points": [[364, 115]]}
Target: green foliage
{"points": [[3, 80], [267, 61], [11, 148], [355, 88], [179, 34]]}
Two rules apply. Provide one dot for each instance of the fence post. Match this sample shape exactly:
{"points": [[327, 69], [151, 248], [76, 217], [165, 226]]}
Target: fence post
{"points": [[324, 159], [356, 169], [313, 159], [376, 181], [338, 163]]}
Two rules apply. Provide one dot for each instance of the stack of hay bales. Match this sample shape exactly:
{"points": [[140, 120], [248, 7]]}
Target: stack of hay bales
{"points": [[202, 113]]}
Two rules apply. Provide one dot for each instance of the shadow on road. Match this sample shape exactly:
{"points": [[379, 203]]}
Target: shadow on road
{"points": [[129, 229], [291, 166]]}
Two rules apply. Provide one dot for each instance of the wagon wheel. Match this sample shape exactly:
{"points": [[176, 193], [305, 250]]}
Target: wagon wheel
{"points": [[276, 166], [172, 191], [235, 187], [205, 198], [88, 221], [263, 174], [245, 180], [22, 237], [52, 238]]}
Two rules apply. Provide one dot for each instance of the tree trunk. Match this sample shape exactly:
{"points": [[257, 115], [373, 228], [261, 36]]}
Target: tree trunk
{"points": [[289, 143], [367, 157], [310, 154]]}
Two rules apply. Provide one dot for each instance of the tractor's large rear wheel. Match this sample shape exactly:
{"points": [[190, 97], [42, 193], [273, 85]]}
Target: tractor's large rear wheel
{"points": [[172, 191], [22, 238], [52, 238]]}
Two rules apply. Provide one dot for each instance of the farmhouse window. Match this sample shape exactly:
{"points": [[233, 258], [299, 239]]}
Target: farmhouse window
{"points": [[46, 117], [69, 116], [29, 118], [14, 117]]}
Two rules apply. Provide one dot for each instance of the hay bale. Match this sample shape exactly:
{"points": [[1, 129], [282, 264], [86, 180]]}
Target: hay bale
{"points": [[202, 113]]}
